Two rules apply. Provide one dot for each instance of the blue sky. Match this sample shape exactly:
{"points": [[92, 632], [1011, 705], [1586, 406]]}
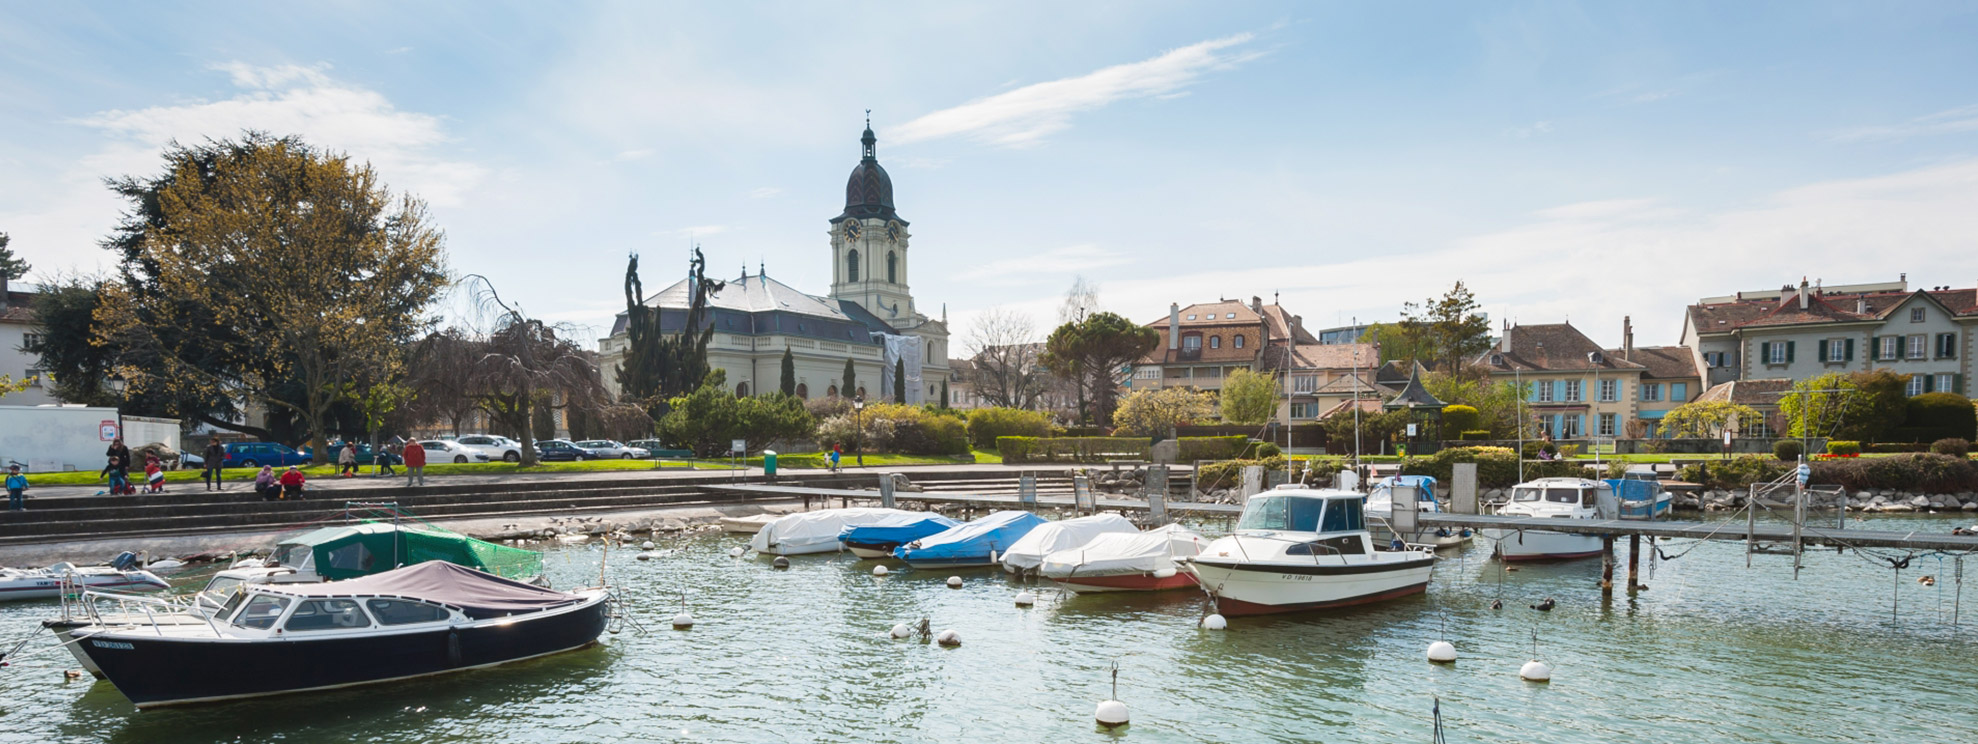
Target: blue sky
{"points": [[1568, 161]]}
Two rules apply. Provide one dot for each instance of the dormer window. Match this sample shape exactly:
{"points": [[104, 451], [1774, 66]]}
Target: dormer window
{"points": [[1230, 316], [1239, 341], [1916, 315], [1596, 357], [1191, 316], [1497, 360], [1191, 343]]}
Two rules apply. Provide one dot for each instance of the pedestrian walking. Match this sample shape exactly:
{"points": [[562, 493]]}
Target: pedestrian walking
{"points": [[216, 456], [415, 464], [154, 475], [266, 486], [384, 458], [16, 489], [347, 460]]}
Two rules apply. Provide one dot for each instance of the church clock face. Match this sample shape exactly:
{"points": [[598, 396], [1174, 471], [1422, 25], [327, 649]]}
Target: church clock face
{"points": [[851, 230]]}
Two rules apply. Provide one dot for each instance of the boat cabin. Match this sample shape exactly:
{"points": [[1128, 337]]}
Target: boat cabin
{"points": [[1556, 496], [1337, 517], [276, 612]]}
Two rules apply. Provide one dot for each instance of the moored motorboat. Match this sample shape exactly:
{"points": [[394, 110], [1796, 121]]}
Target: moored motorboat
{"points": [[1302, 549], [748, 525], [1027, 553], [977, 543], [1125, 562], [421, 620], [815, 531], [878, 539], [1549, 499], [47, 583], [1380, 512]]}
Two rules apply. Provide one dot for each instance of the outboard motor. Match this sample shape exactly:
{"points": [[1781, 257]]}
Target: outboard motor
{"points": [[124, 561]]}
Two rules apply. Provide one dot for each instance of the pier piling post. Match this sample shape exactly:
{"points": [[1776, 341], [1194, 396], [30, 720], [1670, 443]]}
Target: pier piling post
{"points": [[1607, 565], [1634, 563]]}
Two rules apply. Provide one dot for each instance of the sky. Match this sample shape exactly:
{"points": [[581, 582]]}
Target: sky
{"points": [[1566, 161]]}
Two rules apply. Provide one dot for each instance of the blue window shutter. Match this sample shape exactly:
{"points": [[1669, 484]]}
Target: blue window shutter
{"points": [[1789, 352], [1848, 353], [1823, 349], [1558, 390], [1678, 392]]}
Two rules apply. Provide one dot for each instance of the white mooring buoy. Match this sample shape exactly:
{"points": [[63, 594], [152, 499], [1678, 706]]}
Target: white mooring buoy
{"points": [[1535, 671], [1214, 622], [879, 570], [901, 631], [736, 552], [647, 545], [1111, 713], [683, 621], [780, 562], [1442, 652], [647, 555], [954, 582], [948, 638], [1025, 598]]}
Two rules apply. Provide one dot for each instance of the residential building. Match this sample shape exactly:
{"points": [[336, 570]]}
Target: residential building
{"points": [[1670, 377], [1576, 389], [1202, 344], [1793, 333], [869, 318], [1761, 396], [1318, 378], [1343, 334], [17, 329]]}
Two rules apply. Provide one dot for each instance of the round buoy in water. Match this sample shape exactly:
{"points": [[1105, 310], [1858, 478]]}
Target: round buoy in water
{"points": [[948, 638], [954, 582], [646, 556], [683, 621], [902, 631], [647, 545], [879, 570], [736, 552], [1535, 671], [1025, 598], [1214, 622], [1111, 713], [1442, 652], [780, 562]]}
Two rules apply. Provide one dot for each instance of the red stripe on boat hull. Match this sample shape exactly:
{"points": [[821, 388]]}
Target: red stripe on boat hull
{"points": [[1127, 583]]}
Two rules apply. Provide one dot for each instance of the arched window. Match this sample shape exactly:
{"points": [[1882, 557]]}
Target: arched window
{"points": [[1215, 342], [861, 391], [892, 268], [833, 392], [1239, 341], [852, 265], [803, 391], [742, 390]]}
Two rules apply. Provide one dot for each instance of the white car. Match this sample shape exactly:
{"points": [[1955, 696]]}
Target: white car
{"points": [[440, 450], [495, 447], [610, 448]]}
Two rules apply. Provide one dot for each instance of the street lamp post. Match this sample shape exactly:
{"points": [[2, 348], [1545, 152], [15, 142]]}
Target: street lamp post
{"points": [[858, 425]]}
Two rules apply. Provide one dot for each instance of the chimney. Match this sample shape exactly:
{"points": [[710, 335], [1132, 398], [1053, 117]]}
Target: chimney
{"points": [[1861, 306], [1174, 326], [1257, 304], [1627, 339], [1802, 293], [1504, 342]]}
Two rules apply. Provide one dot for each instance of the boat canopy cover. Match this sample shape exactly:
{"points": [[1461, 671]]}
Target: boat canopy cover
{"points": [[1118, 553], [480, 595], [995, 532], [1051, 537], [353, 550], [899, 528], [815, 532], [1629, 489]]}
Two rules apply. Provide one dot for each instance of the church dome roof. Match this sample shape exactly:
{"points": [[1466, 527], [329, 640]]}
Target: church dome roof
{"points": [[869, 192]]}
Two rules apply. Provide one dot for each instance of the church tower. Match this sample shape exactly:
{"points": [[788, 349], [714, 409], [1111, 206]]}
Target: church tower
{"points": [[869, 244]]}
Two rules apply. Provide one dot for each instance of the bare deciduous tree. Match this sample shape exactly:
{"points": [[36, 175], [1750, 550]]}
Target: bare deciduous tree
{"points": [[1004, 353], [1081, 301]]}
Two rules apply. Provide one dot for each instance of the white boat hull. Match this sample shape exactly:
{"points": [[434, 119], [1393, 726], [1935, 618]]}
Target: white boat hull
{"points": [[1529, 545], [47, 585], [747, 525], [1252, 588]]}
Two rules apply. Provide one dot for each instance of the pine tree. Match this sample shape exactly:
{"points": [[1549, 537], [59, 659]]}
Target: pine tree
{"points": [[789, 373], [900, 380], [944, 394], [850, 388], [11, 266], [659, 367]]}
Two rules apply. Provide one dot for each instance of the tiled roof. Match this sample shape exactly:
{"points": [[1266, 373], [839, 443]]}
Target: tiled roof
{"points": [[1367, 405], [1662, 362], [19, 309], [1282, 327], [1334, 356], [1348, 383], [1212, 313], [1723, 317], [1553, 347], [1748, 392], [1226, 352]]}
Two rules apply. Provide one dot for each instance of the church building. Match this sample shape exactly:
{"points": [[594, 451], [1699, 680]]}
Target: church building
{"points": [[869, 317]]}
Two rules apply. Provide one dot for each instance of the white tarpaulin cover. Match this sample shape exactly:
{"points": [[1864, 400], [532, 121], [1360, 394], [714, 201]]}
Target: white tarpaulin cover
{"points": [[1113, 553], [1051, 537], [813, 532]]}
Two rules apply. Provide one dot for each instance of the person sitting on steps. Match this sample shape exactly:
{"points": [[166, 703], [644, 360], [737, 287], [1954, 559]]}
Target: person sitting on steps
{"points": [[292, 481]]}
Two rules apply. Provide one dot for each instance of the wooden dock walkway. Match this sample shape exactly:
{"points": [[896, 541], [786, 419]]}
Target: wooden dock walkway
{"points": [[995, 501]]}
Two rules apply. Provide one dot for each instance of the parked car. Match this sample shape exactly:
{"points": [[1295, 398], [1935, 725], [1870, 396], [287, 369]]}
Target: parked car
{"points": [[610, 448], [364, 454], [257, 454], [552, 450], [441, 450], [658, 448], [495, 447]]}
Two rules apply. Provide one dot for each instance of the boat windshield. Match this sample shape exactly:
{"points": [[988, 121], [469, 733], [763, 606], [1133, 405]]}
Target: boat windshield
{"points": [[222, 588], [1301, 514], [1554, 495], [261, 611], [293, 555]]}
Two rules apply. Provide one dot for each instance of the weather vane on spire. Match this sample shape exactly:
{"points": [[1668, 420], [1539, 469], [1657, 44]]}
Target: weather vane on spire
{"points": [[868, 118]]}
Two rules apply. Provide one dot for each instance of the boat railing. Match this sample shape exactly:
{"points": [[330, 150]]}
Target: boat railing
{"points": [[150, 607]]}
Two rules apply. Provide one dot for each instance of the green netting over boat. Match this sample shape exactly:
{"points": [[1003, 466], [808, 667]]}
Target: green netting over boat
{"points": [[350, 551]]}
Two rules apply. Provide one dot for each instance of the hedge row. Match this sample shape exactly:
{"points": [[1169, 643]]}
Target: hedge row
{"points": [[1914, 473], [1211, 448], [1072, 449], [1497, 467], [1229, 473]]}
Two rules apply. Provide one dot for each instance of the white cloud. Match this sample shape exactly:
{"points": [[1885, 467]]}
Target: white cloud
{"points": [[630, 155], [1024, 270], [1951, 121], [290, 99], [764, 192], [1024, 116]]}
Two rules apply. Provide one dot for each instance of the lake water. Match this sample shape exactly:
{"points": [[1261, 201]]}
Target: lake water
{"points": [[1713, 651]]}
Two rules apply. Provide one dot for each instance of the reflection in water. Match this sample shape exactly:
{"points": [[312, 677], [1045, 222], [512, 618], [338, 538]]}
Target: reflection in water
{"points": [[1714, 651]]}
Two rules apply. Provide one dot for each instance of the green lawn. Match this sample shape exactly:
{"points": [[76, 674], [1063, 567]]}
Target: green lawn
{"points": [[793, 461]]}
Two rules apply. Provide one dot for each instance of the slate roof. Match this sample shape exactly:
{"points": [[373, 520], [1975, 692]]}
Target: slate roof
{"points": [[1553, 347], [1415, 396], [760, 304]]}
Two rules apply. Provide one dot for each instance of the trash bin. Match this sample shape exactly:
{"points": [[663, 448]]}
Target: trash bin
{"points": [[769, 463]]}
